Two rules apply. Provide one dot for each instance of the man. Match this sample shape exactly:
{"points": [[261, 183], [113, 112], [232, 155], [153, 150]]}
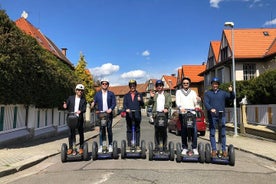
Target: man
{"points": [[77, 104], [133, 100], [214, 101], [187, 99], [105, 101], [161, 102]]}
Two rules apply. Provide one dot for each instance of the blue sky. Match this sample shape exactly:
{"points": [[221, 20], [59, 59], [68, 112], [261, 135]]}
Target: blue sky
{"points": [[139, 39]]}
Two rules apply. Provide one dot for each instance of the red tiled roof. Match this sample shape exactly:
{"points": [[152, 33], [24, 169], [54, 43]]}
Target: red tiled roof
{"points": [[45, 42], [272, 48], [192, 72], [251, 43], [215, 46], [173, 80], [122, 90]]}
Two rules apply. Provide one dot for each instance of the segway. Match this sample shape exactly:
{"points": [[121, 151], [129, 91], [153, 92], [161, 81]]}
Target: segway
{"points": [[133, 151], [189, 123], [105, 154], [219, 158], [72, 122], [160, 152]]}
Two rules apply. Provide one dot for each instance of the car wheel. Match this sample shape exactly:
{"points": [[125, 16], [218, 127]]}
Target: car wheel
{"points": [[202, 133]]}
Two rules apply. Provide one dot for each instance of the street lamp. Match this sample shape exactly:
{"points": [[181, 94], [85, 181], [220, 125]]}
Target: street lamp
{"points": [[231, 24]]}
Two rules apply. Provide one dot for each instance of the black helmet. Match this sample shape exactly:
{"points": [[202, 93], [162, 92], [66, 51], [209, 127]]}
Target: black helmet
{"points": [[215, 79], [159, 82], [186, 78], [132, 81]]}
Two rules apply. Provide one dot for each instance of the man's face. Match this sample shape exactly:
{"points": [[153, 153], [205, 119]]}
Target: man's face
{"points": [[132, 87], [215, 85], [79, 92], [159, 87], [104, 85]]}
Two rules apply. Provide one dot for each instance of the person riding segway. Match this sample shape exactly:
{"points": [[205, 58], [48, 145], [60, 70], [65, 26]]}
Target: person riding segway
{"points": [[187, 102], [76, 105], [104, 103], [161, 102], [214, 101], [132, 106]]}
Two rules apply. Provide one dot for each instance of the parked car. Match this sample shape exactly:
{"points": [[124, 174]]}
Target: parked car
{"points": [[175, 126]]}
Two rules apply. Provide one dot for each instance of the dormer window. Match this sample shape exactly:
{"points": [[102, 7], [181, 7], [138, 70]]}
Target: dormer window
{"points": [[266, 33]]}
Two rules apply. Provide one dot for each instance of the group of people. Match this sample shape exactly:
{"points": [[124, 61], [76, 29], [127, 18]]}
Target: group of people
{"points": [[186, 99]]}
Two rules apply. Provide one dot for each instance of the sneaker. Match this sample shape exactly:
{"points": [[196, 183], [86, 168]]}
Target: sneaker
{"points": [[224, 154], [214, 153], [110, 149], [195, 151], [69, 151], [100, 150], [184, 151], [80, 151]]}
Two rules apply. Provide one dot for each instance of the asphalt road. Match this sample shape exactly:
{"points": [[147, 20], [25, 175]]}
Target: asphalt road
{"points": [[248, 169]]}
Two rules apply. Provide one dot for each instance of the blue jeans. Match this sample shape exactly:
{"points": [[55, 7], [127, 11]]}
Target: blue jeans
{"points": [[103, 133], [184, 134], [213, 121]]}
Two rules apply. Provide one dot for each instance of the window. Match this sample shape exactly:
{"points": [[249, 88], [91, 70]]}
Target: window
{"points": [[249, 71], [223, 52]]}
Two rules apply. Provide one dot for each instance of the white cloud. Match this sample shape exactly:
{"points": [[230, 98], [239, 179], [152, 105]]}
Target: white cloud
{"points": [[104, 70], [146, 53], [271, 22], [135, 74], [215, 3]]}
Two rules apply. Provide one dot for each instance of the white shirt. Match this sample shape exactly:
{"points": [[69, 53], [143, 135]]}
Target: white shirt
{"points": [[104, 96], [188, 101], [77, 104], [160, 102]]}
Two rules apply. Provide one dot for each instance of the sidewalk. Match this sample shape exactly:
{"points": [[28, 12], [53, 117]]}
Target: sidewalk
{"points": [[18, 158]]}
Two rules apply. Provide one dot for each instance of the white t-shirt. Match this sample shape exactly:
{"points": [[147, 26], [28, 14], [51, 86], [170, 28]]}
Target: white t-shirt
{"points": [[77, 104], [160, 102], [104, 96]]}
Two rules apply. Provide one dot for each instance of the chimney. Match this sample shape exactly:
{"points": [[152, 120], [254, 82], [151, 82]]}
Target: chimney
{"points": [[173, 75], [63, 50]]}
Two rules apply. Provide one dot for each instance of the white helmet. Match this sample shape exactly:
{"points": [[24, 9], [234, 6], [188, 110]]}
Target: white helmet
{"points": [[105, 80], [80, 86]]}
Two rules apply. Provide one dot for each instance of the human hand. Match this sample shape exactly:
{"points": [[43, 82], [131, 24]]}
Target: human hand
{"points": [[127, 110], [64, 105], [165, 110], [152, 93], [139, 98], [230, 89], [213, 110], [109, 111]]}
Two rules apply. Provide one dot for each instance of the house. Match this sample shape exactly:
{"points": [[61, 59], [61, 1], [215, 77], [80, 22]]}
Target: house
{"points": [[23, 24], [254, 53]]}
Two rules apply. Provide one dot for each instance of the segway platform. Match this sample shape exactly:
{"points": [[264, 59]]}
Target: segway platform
{"points": [[105, 154], [219, 158], [133, 151], [161, 154], [190, 156], [75, 155]]}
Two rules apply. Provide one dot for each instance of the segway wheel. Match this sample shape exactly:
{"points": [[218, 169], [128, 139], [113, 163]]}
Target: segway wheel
{"points": [[94, 150], [150, 151], [115, 150], [85, 152], [207, 153], [178, 152], [231, 153], [201, 152], [171, 147], [123, 149], [63, 152], [144, 149]]}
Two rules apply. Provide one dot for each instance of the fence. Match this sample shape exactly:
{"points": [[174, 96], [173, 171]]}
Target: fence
{"points": [[255, 114]]}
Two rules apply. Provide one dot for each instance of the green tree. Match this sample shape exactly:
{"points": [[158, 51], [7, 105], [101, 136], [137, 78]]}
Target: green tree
{"points": [[29, 73], [85, 77]]}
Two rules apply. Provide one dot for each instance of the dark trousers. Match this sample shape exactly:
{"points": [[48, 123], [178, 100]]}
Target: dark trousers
{"points": [[130, 133], [160, 134], [184, 134], [72, 136], [103, 133]]}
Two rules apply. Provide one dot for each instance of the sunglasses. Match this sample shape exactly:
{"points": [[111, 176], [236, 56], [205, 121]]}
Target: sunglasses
{"points": [[80, 90], [185, 83], [104, 84]]}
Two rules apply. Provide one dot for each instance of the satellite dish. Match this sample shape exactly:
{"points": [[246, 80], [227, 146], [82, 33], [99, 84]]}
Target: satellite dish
{"points": [[24, 14]]}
